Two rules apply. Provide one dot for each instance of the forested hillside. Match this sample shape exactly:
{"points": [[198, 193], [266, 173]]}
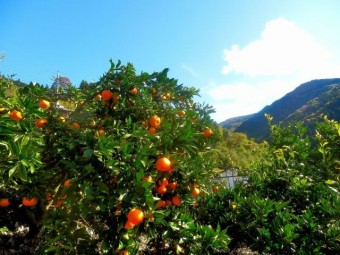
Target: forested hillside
{"points": [[306, 103]]}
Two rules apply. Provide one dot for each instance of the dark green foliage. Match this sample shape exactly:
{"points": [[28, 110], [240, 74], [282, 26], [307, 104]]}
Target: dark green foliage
{"points": [[290, 206]]}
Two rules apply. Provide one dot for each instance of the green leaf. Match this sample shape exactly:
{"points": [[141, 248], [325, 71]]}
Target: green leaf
{"points": [[12, 171], [329, 182], [52, 248], [22, 172], [14, 148]]}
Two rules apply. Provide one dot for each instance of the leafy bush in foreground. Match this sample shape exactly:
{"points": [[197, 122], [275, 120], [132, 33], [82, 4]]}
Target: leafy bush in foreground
{"points": [[117, 174]]}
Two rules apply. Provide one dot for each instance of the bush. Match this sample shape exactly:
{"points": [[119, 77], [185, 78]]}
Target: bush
{"points": [[92, 161], [290, 206]]}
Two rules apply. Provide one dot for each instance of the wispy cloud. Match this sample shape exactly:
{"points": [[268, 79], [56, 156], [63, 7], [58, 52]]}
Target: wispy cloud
{"points": [[190, 70], [269, 67]]}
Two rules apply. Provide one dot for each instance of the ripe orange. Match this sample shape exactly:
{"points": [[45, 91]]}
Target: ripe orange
{"points": [[67, 183], [134, 91], [41, 123], [161, 204], [195, 192], [161, 190], [4, 202], [101, 132], [173, 185], [29, 202], [207, 132], [163, 164], [181, 113], [168, 202], [106, 94], [123, 252], [128, 224], [176, 200], [155, 121], [15, 115], [44, 104], [98, 97], [152, 130], [147, 178], [164, 182], [215, 188], [76, 125], [135, 216], [196, 204]]}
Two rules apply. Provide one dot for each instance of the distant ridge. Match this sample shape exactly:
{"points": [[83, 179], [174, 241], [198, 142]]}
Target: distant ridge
{"points": [[235, 122], [305, 103]]}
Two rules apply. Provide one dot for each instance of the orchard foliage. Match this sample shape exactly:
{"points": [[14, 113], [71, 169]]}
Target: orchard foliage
{"points": [[290, 204], [78, 165]]}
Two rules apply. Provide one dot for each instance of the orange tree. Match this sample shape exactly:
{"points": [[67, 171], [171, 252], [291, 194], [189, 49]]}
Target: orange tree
{"points": [[118, 174]]}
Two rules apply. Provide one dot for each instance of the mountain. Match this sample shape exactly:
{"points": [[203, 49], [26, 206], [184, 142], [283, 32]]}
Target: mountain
{"points": [[306, 103], [235, 122]]}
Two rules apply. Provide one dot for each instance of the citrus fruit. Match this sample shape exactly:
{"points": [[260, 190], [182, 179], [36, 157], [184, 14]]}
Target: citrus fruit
{"points": [[76, 125], [161, 204], [215, 188], [155, 121], [134, 91], [4, 202], [29, 202], [44, 104], [152, 130], [128, 224], [135, 216], [98, 97], [15, 115], [163, 164], [195, 192], [164, 182], [176, 200], [41, 123], [161, 190], [207, 132], [147, 178], [106, 94], [173, 185], [67, 183], [181, 113]]}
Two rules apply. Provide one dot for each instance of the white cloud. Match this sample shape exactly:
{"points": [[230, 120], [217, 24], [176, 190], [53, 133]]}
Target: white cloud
{"points": [[283, 49], [266, 69], [243, 98]]}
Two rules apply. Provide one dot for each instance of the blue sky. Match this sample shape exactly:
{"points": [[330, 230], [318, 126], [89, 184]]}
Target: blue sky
{"points": [[242, 55]]}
